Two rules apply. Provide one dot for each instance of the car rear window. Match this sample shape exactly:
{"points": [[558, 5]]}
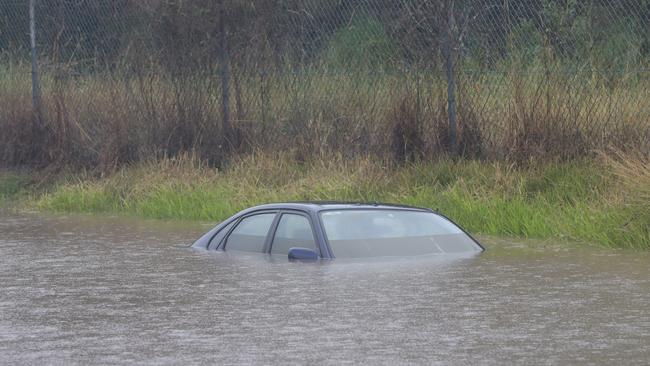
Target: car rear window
{"points": [[216, 240], [380, 233]]}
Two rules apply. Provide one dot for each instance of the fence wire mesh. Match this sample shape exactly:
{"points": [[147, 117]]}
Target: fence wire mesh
{"points": [[408, 79]]}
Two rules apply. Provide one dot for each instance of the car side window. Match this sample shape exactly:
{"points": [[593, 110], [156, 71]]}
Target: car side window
{"points": [[214, 243], [249, 235], [293, 231]]}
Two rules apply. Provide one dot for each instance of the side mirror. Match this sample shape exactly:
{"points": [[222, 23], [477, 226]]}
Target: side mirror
{"points": [[303, 254]]}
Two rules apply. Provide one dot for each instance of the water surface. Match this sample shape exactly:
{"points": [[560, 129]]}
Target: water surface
{"points": [[84, 290]]}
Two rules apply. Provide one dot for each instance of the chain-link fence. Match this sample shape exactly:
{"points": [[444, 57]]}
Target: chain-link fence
{"points": [[112, 81]]}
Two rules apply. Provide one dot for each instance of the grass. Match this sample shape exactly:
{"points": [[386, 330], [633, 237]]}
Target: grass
{"points": [[135, 131], [584, 201], [108, 119]]}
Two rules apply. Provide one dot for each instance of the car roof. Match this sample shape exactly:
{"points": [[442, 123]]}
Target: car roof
{"points": [[333, 205]]}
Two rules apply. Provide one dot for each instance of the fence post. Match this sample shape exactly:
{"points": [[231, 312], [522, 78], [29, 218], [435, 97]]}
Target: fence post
{"points": [[451, 79], [36, 84], [224, 62]]}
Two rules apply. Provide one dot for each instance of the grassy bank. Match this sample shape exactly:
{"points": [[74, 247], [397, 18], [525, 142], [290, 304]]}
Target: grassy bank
{"points": [[595, 201]]}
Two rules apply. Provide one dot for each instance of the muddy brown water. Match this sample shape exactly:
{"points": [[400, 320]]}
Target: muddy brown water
{"points": [[90, 290]]}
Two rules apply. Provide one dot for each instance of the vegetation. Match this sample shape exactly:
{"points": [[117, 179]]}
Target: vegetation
{"points": [[102, 121], [12, 185], [568, 202], [541, 80], [194, 110]]}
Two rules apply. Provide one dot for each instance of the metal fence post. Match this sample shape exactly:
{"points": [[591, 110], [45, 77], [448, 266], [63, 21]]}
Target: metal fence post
{"points": [[224, 62], [451, 78], [36, 84]]}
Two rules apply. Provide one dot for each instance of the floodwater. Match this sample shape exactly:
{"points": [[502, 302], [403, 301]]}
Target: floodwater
{"points": [[84, 290]]}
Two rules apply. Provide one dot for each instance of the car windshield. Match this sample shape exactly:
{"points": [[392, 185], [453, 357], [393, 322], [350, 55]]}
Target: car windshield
{"points": [[380, 233]]}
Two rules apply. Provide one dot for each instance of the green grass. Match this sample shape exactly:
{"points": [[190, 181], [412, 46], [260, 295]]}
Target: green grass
{"points": [[580, 201]]}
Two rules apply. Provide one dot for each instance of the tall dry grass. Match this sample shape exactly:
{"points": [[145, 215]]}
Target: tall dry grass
{"points": [[632, 168], [110, 119], [633, 171]]}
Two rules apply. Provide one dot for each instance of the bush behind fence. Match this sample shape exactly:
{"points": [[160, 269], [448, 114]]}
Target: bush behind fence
{"points": [[121, 81]]}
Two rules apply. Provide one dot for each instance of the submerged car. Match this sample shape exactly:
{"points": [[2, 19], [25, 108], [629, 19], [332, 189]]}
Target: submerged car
{"points": [[309, 231]]}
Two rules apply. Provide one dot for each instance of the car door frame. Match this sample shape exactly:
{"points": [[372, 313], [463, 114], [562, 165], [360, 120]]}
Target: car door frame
{"points": [[310, 220]]}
